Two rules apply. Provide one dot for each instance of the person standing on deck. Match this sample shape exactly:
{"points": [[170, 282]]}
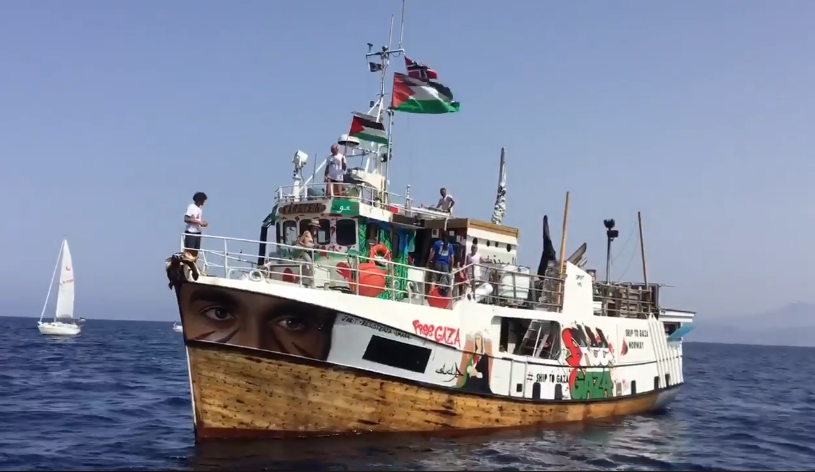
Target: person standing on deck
{"points": [[446, 202], [440, 260], [192, 218], [335, 166], [306, 241], [474, 259]]}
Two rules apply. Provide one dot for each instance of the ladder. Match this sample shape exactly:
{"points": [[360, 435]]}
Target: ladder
{"points": [[531, 340]]}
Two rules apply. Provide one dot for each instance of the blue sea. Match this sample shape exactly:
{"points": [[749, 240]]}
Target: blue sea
{"points": [[117, 398]]}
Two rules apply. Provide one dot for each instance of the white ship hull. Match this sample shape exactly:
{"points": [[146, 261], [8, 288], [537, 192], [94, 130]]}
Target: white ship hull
{"points": [[595, 366], [56, 328]]}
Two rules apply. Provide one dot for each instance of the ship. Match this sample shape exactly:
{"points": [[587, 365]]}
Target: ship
{"points": [[358, 334]]}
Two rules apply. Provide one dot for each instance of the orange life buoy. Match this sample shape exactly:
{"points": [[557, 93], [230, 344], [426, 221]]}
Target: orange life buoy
{"points": [[380, 250]]}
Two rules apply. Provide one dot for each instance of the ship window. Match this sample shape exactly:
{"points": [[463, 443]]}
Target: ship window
{"points": [[397, 249], [278, 231], [346, 232], [667, 380], [397, 354], [324, 233], [290, 233], [656, 382], [488, 243], [539, 338], [372, 233], [509, 247]]}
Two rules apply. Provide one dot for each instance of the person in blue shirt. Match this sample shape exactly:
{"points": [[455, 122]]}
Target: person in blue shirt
{"points": [[441, 259]]}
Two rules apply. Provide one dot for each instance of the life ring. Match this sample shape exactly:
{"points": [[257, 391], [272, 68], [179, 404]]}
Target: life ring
{"points": [[380, 250], [255, 276]]}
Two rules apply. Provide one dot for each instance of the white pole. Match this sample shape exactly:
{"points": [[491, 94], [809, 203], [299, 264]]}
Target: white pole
{"points": [[51, 285]]}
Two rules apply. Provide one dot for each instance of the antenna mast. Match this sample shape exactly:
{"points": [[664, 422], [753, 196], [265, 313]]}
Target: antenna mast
{"points": [[384, 56]]}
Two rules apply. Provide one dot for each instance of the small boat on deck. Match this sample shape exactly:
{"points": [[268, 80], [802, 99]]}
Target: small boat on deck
{"points": [[357, 335]]}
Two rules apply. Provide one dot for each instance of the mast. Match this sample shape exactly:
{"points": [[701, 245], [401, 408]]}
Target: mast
{"points": [[500, 208], [51, 285], [642, 252], [384, 61]]}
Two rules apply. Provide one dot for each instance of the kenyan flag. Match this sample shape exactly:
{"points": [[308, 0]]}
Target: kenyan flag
{"points": [[414, 95]]}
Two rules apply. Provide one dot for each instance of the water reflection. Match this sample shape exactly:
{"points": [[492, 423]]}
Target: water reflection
{"points": [[634, 442]]}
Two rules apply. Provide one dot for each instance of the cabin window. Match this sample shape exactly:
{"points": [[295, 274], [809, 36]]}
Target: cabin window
{"points": [[372, 234], [524, 337], [536, 391], [324, 233], [509, 247], [656, 382], [667, 380], [633, 387], [396, 251], [488, 243], [278, 231], [304, 225], [558, 392], [290, 233], [346, 232], [397, 354]]}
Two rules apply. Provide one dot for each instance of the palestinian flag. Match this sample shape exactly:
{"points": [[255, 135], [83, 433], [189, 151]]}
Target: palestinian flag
{"points": [[414, 95], [366, 128]]}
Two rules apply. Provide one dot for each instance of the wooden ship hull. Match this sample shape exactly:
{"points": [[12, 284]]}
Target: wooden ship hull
{"points": [[247, 394], [276, 360]]}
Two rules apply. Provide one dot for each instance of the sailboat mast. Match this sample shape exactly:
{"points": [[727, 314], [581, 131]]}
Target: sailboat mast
{"points": [[51, 285]]}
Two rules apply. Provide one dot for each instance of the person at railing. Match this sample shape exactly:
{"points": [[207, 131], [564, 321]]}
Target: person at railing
{"points": [[440, 260], [306, 241], [335, 166], [473, 260], [446, 202], [192, 218]]}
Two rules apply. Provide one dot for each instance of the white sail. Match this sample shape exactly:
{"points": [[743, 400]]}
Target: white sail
{"points": [[65, 295]]}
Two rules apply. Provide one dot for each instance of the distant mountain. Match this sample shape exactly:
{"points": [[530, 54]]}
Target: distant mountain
{"points": [[791, 325]]}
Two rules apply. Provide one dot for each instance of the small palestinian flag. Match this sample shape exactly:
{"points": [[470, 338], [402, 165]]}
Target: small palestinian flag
{"points": [[366, 128]]}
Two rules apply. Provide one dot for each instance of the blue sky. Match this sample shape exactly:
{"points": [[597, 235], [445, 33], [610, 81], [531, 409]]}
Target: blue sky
{"points": [[697, 113]]}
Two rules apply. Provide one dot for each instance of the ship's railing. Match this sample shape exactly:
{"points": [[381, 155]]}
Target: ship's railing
{"points": [[236, 258], [357, 192], [496, 284], [232, 258], [625, 300]]}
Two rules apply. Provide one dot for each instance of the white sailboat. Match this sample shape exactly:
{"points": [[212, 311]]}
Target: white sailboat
{"points": [[64, 323], [177, 327]]}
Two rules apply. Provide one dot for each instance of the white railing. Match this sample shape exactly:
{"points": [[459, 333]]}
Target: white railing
{"points": [[236, 258], [356, 192]]}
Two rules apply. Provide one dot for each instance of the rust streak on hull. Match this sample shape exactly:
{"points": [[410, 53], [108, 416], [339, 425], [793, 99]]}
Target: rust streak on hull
{"points": [[244, 393]]}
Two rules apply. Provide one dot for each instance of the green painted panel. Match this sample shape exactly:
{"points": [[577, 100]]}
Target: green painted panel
{"points": [[341, 206]]}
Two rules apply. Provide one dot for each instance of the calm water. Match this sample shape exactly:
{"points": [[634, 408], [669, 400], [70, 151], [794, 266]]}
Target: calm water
{"points": [[117, 397]]}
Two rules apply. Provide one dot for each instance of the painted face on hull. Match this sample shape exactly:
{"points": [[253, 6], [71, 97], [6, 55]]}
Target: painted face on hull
{"points": [[256, 321]]}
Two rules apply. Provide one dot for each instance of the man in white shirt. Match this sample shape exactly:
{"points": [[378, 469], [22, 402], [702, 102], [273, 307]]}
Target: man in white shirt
{"points": [[192, 218], [446, 202], [335, 166], [473, 258]]}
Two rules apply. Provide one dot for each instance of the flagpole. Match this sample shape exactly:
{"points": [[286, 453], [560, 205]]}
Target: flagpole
{"points": [[388, 153], [384, 58], [389, 149]]}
